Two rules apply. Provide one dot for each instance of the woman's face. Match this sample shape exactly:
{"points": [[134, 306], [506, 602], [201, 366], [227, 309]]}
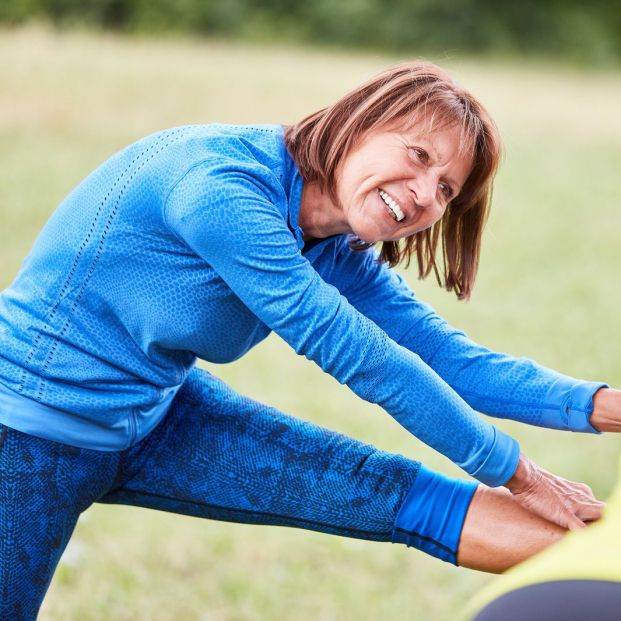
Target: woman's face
{"points": [[395, 183]]}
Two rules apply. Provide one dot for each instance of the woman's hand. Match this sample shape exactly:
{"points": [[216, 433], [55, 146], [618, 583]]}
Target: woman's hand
{"points": [[558, 500], [606, 414]]}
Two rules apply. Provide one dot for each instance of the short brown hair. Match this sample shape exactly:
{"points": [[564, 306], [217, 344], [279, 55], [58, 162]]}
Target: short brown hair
{"points": [[409, 91]]}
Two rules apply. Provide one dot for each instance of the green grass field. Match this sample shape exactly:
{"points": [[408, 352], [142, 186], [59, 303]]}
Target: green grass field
{"points": [[548, 289]]}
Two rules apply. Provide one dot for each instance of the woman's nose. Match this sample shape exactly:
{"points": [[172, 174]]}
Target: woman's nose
{"points": [[424, 190]]}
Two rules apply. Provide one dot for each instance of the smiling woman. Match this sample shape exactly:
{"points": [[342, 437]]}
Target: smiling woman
{"points": [[196, 242], [413, 138], [396, 167]]}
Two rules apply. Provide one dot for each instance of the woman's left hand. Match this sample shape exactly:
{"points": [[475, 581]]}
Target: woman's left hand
{"points": [[558, 500], [606, 414]]}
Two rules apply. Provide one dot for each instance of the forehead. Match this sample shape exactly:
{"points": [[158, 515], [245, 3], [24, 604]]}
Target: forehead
{"points": [[438, 128]]}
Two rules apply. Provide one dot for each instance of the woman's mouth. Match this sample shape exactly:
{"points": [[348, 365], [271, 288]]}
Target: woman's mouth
{"points": [[393, 207]]}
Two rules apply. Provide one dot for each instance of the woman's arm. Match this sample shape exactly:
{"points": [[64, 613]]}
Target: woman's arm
{"points": [[237, 225], [231, 215], [494, 383]]}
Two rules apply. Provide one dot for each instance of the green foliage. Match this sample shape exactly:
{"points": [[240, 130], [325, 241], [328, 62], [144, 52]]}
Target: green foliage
{"points": [[572, 29]]}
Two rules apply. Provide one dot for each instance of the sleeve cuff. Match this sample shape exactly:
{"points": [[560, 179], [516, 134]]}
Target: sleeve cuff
{"points": [[501, 462], [571, 405]]}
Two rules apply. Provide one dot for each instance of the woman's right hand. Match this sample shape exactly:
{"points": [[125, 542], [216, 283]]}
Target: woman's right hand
{"points": [[558, 500]]}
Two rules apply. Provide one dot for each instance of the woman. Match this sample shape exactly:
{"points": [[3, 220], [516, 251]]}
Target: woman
{"points": [[196, 242]]}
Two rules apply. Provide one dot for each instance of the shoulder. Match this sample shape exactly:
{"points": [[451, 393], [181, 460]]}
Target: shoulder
{"points": [[230, 172], [261, 145], [168, 155], [215, 155], [221, 153]]}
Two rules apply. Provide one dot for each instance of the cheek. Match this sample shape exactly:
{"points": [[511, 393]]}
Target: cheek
{"points": [[435, 217], [362, 173], [345, 180], [347, 191]]}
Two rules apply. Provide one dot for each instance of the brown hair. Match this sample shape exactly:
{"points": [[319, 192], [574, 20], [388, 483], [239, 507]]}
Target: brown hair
{"points": [[409, 92]]}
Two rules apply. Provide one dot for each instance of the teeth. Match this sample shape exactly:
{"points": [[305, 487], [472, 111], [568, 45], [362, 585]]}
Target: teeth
{"points": [[393, 207]]}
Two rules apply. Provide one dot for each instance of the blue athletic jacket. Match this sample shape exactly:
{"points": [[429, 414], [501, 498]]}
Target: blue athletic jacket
{"points": [[187, 245]]}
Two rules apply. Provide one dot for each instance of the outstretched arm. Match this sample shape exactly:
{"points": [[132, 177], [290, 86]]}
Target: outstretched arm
{"points": [[233, 221], [230, 214], [494, 383]]}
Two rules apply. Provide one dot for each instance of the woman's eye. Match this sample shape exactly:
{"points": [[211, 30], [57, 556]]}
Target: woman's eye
{"points": [[420, 154], [446, 190]]}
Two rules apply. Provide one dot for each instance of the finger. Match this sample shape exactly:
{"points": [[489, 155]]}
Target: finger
{"points": [[589, 513], [576, 484], [586, 489], [585, 493], [565, 484], [589, 500], [552, 509], [576, 502], [579, 499], [569, 487], [573, 522], [593, 503]]}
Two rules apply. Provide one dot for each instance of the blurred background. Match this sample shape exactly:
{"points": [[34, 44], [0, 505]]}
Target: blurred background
{"points": [[588, 32], [79, 80]]}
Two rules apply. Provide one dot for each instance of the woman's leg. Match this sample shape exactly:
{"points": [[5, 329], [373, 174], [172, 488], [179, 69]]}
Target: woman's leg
{"points": [[498, 533], [44, 486], [222, 456]]}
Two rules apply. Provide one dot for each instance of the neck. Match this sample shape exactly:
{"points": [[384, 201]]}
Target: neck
{"points": [[319, 216]]}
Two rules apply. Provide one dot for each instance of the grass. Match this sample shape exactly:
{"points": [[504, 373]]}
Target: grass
{"points": [[548, 288]]}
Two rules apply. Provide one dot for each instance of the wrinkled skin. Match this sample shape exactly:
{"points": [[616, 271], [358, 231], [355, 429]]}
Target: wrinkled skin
{"points": [[566, 503]]}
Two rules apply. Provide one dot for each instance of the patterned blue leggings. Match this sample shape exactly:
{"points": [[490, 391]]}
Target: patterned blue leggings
{"points": [[222, 456]]}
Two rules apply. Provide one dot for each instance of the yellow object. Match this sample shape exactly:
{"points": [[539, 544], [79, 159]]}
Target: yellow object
{"points": [[593, 553]]}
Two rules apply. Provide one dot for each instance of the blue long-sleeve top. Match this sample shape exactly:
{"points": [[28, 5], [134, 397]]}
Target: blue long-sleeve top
{"points": [[187, 244]]}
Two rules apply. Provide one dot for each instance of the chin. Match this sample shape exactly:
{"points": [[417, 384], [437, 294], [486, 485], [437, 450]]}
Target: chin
{"points": [[368, 239]]}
